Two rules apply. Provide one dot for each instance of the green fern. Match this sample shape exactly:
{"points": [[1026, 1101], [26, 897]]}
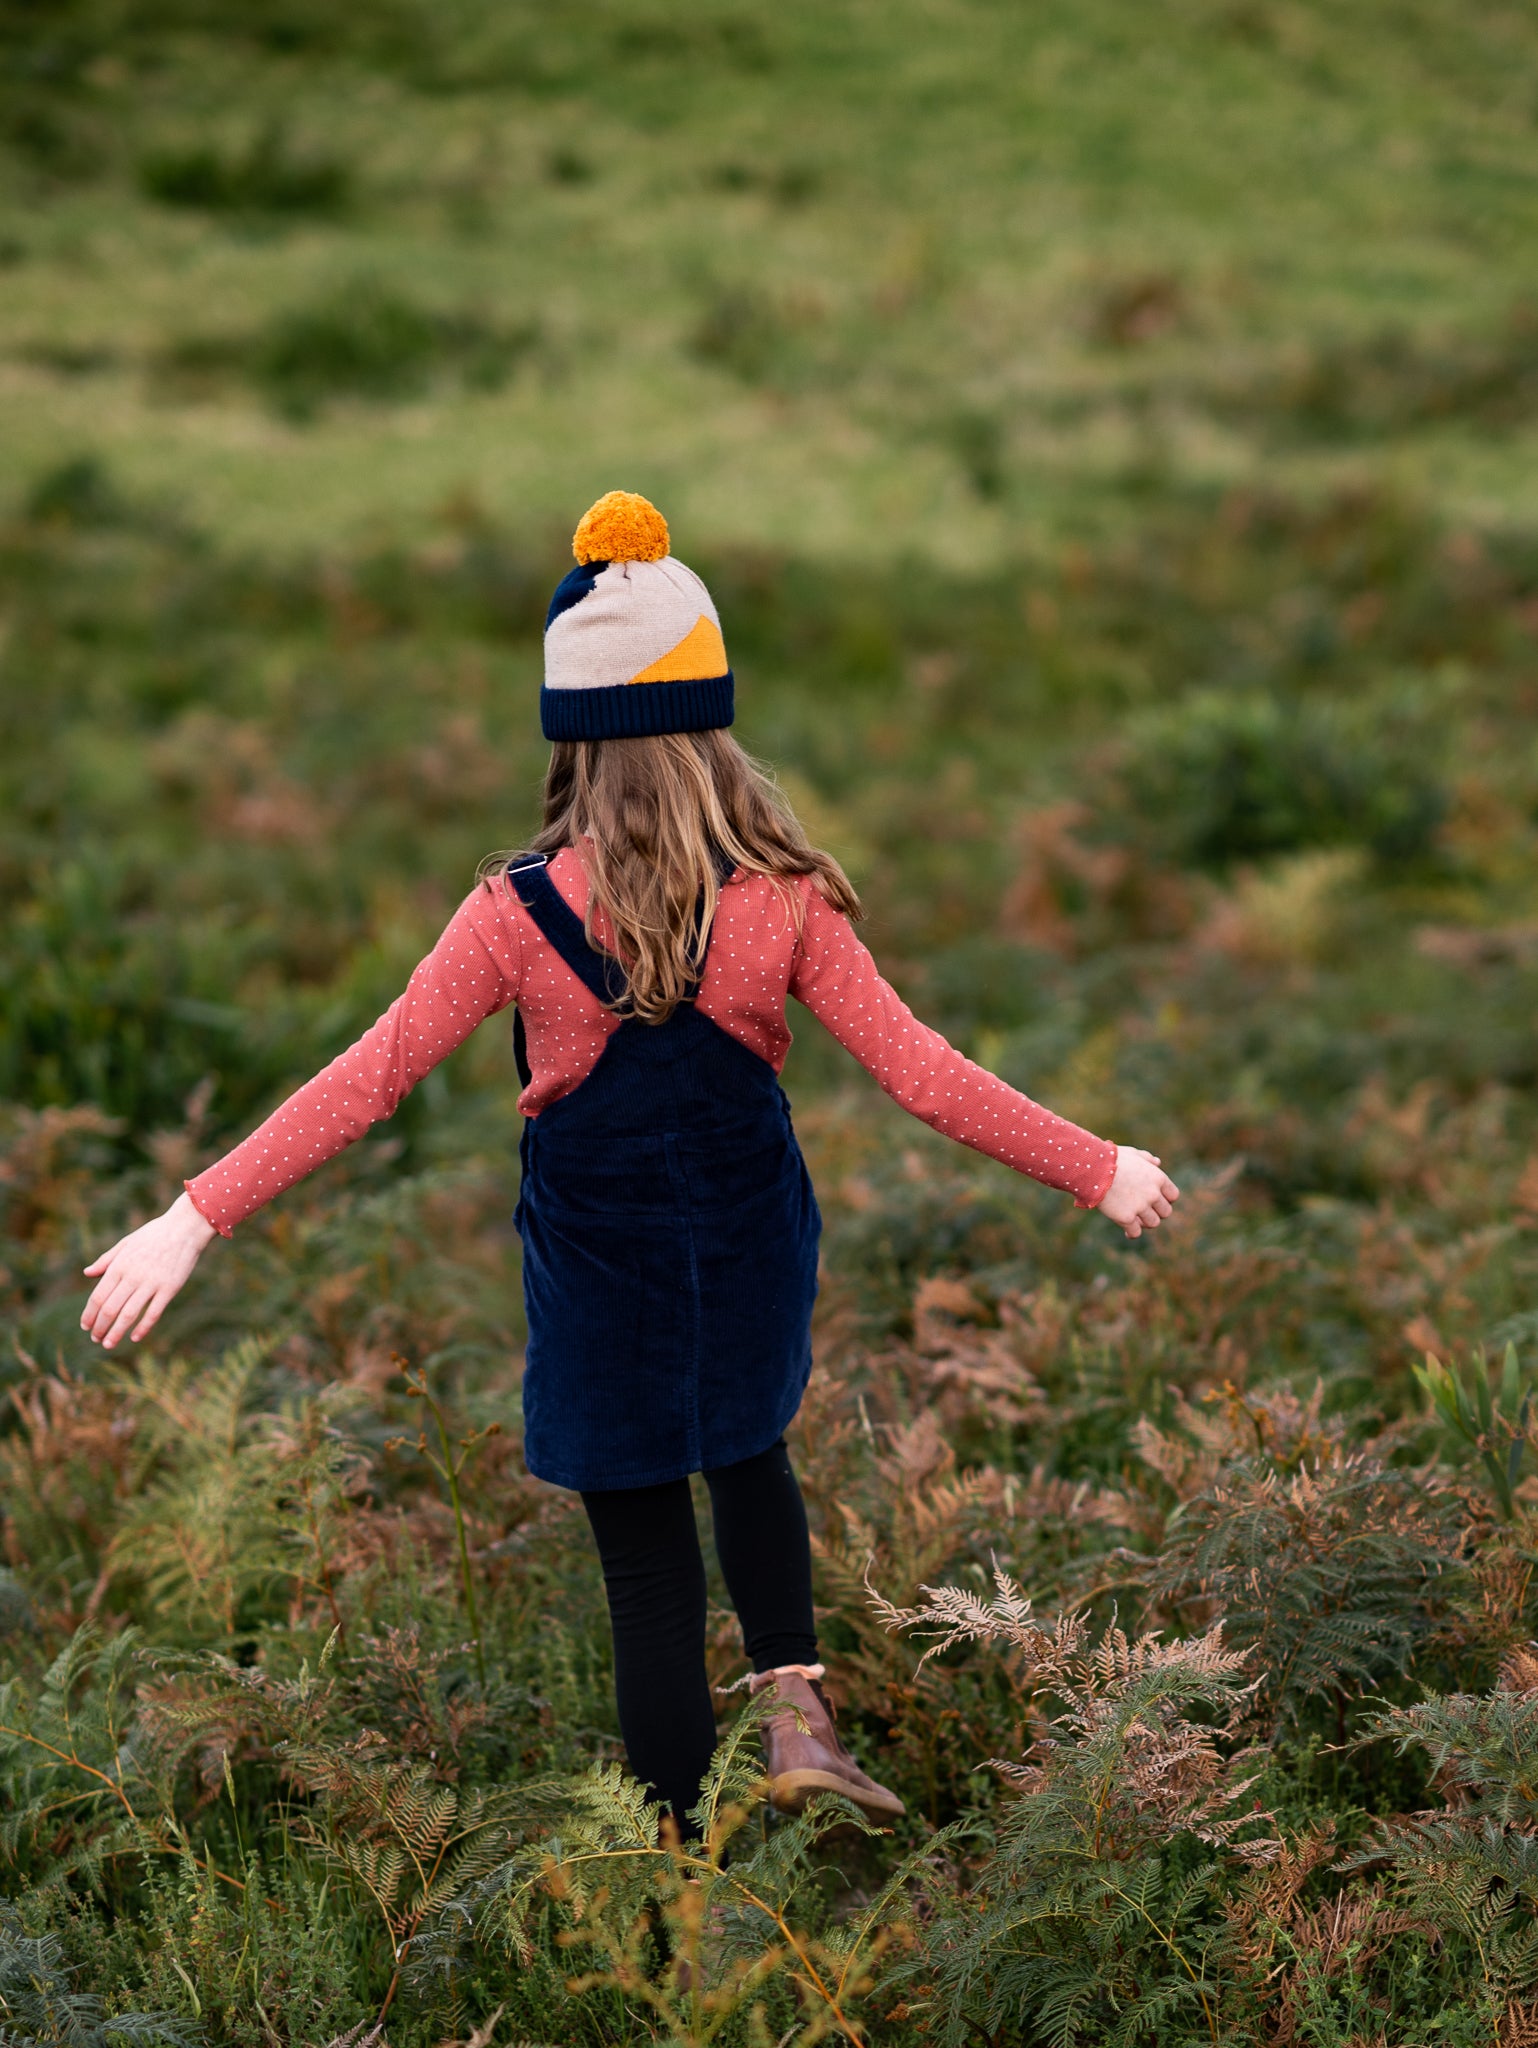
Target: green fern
{"points": [[1332, 1575], [1482, 1749], [1470, 1875], [203, 1708], [229, 1500], [74, 1773], [411, 1845], [40, 2006], [1092, 1920], [701, 1936]]}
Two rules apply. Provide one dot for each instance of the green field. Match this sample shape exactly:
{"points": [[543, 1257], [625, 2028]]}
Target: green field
{"points": [[1109, 435], [809, 280]]}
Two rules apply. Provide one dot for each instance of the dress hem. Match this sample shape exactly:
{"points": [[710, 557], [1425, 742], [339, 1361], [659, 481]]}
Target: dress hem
{"points": [[664, 1475]]}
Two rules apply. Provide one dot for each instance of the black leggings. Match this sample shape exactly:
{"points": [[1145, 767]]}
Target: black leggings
{"points": [[654, 1575]]}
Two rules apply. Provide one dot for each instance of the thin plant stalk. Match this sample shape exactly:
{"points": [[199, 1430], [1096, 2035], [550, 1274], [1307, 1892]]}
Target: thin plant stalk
{"points": [[449, 1467]]}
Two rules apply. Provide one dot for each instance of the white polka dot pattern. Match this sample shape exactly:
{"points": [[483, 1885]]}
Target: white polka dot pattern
{"points": [[492, 954]]}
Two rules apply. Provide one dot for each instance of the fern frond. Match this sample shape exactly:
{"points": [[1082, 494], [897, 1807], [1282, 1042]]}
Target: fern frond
{"points": [[610, 1810], [1331, 1575], [1485, 1746], [38, 1994], [954, 1614]]}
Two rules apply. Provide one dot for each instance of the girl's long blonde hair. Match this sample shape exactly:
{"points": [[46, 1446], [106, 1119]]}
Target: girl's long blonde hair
{"points": [[654, 821]]}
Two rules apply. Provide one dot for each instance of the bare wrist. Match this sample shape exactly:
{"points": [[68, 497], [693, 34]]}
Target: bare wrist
{"points": [[190, 1218]]}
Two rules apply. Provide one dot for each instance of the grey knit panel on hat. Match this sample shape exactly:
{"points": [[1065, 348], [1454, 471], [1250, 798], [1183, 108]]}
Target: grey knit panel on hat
{"points": [[635, 613]]}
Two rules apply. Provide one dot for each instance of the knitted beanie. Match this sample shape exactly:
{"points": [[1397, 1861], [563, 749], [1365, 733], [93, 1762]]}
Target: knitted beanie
{"points": [[632, 642]]}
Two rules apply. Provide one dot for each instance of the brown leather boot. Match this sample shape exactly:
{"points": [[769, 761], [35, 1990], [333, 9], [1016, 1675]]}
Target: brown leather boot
{"points": [[805, 1756]]}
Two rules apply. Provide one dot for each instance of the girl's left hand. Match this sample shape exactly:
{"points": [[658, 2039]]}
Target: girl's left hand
{"points": [[1141, 1193], [143, 1272]]}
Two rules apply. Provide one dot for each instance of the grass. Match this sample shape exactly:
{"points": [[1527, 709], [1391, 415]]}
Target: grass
{"points": [[1070, 162], [1108, 439]]}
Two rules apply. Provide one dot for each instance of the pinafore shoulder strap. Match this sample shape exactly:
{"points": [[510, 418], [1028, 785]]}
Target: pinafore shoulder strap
{"points": [[600, 973]]}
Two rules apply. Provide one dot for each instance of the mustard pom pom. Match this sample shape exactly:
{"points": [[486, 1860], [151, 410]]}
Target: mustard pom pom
{"points": [[621, 527]]}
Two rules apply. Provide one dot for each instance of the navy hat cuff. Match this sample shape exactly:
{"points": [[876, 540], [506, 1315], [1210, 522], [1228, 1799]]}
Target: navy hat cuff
{"points": [[627, 711]]}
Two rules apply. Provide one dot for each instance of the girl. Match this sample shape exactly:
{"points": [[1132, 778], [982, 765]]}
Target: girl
{"points": [[669, 904]]}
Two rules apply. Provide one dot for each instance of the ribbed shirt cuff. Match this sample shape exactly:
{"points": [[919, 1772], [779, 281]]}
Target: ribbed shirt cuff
{"points": [[1103, 1185], [224, 1229]]}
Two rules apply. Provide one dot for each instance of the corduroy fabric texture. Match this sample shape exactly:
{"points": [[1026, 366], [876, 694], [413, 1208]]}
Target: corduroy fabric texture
{"points": [[669, 1248], [642, 629]]}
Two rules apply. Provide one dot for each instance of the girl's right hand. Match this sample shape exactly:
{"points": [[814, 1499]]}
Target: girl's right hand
{"points": [[143, 1272], [1141, 1193]]}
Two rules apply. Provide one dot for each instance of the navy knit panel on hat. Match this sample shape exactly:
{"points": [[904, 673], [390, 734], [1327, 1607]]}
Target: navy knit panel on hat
{"points": [[628, 711], [572, 588]]}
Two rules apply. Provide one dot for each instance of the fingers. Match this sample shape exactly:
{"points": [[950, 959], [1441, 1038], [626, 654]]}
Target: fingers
{"points": [[104, 1302], [104, 1259], [151, 1315], [114, 1294], [129, 1314], [131, 1295], [1142, 1196], [107, 1271], [138, 1277], [124, 1309], [1148, 1217]]}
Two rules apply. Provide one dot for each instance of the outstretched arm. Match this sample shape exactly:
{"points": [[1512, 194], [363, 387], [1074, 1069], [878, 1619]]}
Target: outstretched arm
{"points": [[472, 972], [840, 984]]}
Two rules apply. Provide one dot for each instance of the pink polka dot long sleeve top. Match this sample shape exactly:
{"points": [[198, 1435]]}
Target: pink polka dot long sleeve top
{"points": [[492, 954]]}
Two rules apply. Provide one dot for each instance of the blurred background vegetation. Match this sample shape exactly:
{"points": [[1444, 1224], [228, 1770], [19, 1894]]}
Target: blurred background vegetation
{"points": [[1109, 434]]}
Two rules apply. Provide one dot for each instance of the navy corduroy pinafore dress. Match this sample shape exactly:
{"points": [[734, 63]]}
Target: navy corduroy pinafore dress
{"points": [[669, 1246]]}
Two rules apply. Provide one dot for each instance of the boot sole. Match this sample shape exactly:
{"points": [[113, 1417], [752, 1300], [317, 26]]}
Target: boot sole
{"points": [[789, 1792]]}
